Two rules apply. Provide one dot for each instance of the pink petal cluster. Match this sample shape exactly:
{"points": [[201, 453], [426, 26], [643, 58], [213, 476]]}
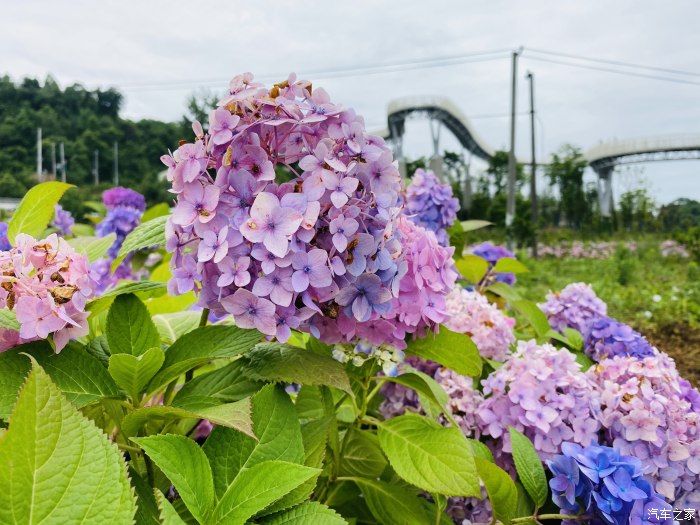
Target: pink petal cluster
{"points": [[576, 306], [542, 392], [46, 283], [471, 313], [648, 411]]}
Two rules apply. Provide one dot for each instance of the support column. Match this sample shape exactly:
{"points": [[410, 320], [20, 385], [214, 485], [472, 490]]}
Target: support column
{"points": [[605, 192]]}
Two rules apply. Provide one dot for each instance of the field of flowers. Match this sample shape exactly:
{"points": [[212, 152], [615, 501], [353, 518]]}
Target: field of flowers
{"points": [[303, 339]]}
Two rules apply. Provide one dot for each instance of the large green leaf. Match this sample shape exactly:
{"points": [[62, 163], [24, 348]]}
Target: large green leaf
{"points": [[200, 346], [500, 488], [474, 224], [430, 456], [278, 438], [290, 364], [142, 290], [257, 487], [36, 209], [450, 349], [130, 329], [472, 267], [309, 513], [93, 247], [535, 316], [57, 467], [392, 504], [168, 514], [170, 326], [132, 373], [147, 507], [145, 235], [186, 466], [8, 319], [231, 415], [509, 265], [157, 210], [425, 386], [529, 467], [362, 455]]}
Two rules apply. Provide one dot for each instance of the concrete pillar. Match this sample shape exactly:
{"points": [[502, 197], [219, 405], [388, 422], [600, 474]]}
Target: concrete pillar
{"points": [[436, 166], [605, 192]]}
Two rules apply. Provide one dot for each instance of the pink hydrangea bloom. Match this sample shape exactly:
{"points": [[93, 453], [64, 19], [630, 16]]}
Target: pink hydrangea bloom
{"points": [[47, 284], [471, 313], [647, 411], [576, 306]]}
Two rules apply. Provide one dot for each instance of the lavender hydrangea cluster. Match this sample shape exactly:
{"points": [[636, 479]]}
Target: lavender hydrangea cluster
{"points": [[4, 240], [124, 209], [471, 313], [608, 338], [63, 221], [576, 306], [492, 253], [542, 392], [648, 412], [320, 252], [604, 485], [431, 204]]}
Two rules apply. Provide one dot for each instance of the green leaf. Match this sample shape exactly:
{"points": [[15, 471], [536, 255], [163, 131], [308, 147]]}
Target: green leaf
{"points": [[472, 267], [231, 415], [168, 304], [362, 455], [474, 224], [309, 513], [575, 338], [8, 319], [173, 325], [130, 329], [583, 360], [142, 290], [257, 487], [455, 351], [145, 235], [146, 504], [503, 290], [430, 456], [168, 514], [425, 385], [480, 450], [155, 211], [36, 209], [509, 265], [57, 467], [289, 364], [500, 488], [99, 349], [93, 247], [132, 373], [534, 316], [278, 438], [529, 467], [186, 466], [391, 504], [200, 346]]}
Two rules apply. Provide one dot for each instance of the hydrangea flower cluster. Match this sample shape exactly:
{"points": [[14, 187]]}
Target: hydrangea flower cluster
{"points": [[603, 484], [542, 392], [576, 306], [63, 221], [430, 204], [320, 252], [580, 250], [4, 241], [492, 253], [471, 313], [607, 338], [46, 283], [388, 357], [124, 210], [646, 411], [671, 248]]}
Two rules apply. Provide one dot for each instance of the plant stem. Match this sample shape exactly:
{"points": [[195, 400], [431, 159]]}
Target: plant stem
{"points": [[551, 517], [204, 318], [129, 448]]}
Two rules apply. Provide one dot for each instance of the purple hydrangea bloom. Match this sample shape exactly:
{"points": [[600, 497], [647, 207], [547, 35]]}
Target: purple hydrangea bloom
{"points": [[431, 204], [4, 241], [603, 484], [63, 221], [123, 197], [120, 221], [576, 306], [492, 253], [608, 338]]}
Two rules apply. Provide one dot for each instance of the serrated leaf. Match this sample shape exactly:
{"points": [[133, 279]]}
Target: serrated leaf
{"points": [[168, 514], [145, 235], [509, 265], [36, 209], [93, 247], [57, 466], [200, 346], [146, 505], [472, 267], [130, 329], [430, 456], [231, 415], [391, 504], [142, 289], [309, 513], [99, 349], [529, 467], [451, 349], [474, 224], [174, 325], [8, 319], [500, 489], [534, 316], [289, 364], [186, 466], [424, 385], [257, 487], [132, 373], [362, 455], [278, 438]]}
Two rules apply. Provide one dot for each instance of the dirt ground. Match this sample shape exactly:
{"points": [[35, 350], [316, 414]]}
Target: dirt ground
{"points": [[683, 344]]}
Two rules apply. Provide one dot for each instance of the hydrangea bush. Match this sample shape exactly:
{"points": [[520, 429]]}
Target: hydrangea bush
{"points": [[431, 204]]}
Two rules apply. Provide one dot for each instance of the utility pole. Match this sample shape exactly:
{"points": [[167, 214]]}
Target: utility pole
{"points": [[53, 160], [533, 166], [96, 166], [510, 203], [39, 158], [116, 163], [62, 155]]}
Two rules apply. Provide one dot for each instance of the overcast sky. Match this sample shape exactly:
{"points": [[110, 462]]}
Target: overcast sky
{"points": [[159, 52]]}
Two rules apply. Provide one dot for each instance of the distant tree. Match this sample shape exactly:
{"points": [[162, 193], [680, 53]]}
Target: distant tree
{"points": [[680, 214], [565, 171]]}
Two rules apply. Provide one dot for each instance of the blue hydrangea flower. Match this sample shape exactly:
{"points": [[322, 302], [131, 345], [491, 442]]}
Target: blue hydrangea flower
{"points": [[430, 204], [121, 221], [492, 253], [4, 241], [609, 338], [63, 221]]}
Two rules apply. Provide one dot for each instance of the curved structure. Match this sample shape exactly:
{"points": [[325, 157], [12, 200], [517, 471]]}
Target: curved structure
{"points": [[605, 156]]}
